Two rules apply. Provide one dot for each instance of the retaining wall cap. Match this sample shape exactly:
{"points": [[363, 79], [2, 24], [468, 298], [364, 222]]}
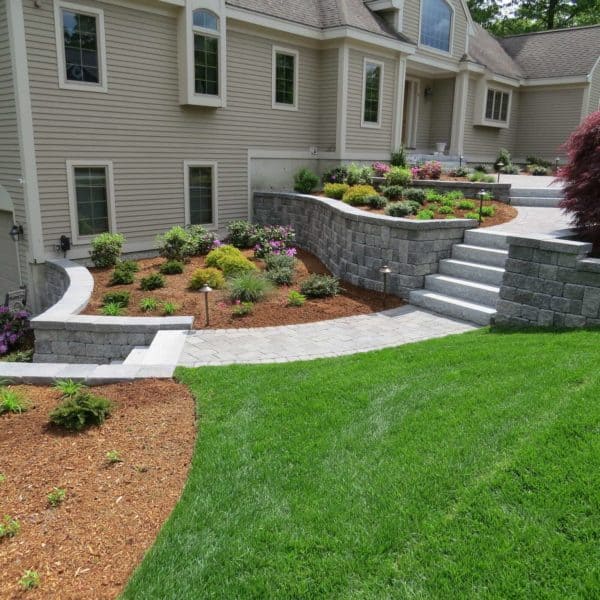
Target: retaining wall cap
{"points": [[591, 265], [551, 244], [356, 214]]}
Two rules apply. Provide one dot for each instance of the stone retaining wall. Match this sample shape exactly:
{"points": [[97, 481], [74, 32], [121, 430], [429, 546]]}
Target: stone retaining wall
{"points": [[549, 283], [62, 335], [355, 244], [500, 191]]}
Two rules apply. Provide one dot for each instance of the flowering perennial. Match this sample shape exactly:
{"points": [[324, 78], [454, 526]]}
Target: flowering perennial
{"points": [[13, 326]]}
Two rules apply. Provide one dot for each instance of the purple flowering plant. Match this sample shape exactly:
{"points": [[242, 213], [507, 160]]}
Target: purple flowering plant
{"points": [[381, 169], [274, 239], [13, 326]]}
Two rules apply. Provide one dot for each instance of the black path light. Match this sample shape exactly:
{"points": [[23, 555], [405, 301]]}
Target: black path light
{"points": [[556, 163], [16, 232], [385, 271], [482, 196], [206, 290], [460, 159], [499, 166]]}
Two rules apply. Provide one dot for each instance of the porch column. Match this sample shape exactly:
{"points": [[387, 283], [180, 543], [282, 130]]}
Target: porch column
{"points": [[399, 104], [459, 113]]}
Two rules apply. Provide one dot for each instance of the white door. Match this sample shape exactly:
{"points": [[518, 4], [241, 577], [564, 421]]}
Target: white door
{"points": [[9, 266]]}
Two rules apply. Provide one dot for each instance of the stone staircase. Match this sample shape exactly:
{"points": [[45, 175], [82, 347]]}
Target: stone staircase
{"points": [[467, 285], [536, 197]]}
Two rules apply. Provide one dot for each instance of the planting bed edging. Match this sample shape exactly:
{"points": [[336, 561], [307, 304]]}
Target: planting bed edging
{"points": [[500, 191], [64, 336], [354, 244], [549, 283]]}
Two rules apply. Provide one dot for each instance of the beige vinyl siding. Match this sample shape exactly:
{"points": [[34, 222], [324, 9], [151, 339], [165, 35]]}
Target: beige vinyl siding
{"points": [[546, 119], [441, 111], [594, 103], [369, 139], [10, 163], [327, 110], [140, 126], [411, 27], [483, 143]]}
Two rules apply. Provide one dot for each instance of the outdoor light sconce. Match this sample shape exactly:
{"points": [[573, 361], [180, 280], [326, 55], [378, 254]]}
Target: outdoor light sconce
{"points": [[206, 290], [385, 271], [64, 245], [16, 232], [428, 92]]}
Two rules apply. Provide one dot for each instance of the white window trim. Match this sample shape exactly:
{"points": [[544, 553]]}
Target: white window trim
{"points": [[63, 82], [422, 46], [289, 52], [493, 122], [186, 182], [72, 194], [363, 123]]}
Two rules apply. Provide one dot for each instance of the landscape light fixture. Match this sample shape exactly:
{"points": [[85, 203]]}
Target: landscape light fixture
{"points": [[16, 232], [556, 162], [460, 160], [481, 195], [206, 290], [385, 271], [500, 166]]}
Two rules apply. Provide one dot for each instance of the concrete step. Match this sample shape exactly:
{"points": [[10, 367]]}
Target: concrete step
{"points": [[136, 356], [535, 202], [547, 192], [479, 254], [462, 269], [478, 293], [486, 239], [452, 307]]}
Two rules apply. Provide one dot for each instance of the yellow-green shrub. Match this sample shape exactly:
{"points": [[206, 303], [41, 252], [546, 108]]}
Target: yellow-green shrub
{"points": [[210, 276], [214, 256], [335, 190], [357, 195], [235, 265]]}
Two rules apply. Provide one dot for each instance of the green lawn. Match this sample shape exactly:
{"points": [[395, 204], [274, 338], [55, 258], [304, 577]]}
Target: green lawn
{"points": [[466, 467]]}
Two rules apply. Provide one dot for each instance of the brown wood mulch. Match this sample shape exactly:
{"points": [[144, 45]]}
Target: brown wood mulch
{"points": [[274, 310], [88, 546]]}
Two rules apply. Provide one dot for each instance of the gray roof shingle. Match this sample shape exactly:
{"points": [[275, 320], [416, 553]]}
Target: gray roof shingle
{"points": [[486, 50], [557, 53]]}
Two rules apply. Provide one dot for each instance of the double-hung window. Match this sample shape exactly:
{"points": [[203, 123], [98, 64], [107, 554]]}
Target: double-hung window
{"points": [[372, 86], [91, 198], [497, 105], [285, 79], [200, 193], [206, 52], [80, 47]]}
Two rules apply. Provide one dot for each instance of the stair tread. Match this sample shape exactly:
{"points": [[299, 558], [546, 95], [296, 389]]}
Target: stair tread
{"points": [[454, 300], [484, 248], [466, 263], [465, 282]]}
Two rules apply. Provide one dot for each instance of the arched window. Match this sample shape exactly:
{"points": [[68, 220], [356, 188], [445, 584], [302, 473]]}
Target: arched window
{"points": [[206, 52], [436, 24]]}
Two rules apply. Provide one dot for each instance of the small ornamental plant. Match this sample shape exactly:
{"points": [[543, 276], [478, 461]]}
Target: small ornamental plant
{"points": [[429, 170], [68, 387], [120, 298], [201, 240], [336, 175], [399, 176], [240, 234], [169, 308], [358, 194], [210, 276], [296, 299], [148, 304], [274, 239], [242, 309], [30, 580], [151, 282], [305, 181], [381, 169], [9, 527], [81, 410], [12, 401], [112, 309], [113, 457], [175, 244], [106, 249], [335, 190], [320, 286], [14, 325], [171, 267], [56, 497]]}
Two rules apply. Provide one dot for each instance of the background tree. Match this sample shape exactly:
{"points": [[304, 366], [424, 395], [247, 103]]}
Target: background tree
{"points": [[484, 12]]}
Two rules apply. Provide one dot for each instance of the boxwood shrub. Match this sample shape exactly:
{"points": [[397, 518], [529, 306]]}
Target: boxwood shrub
{"points": [[210, 276]]}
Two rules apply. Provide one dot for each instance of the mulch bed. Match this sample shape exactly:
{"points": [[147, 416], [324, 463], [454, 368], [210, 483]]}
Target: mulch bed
{"points": [[88, 546], [272, 311]]}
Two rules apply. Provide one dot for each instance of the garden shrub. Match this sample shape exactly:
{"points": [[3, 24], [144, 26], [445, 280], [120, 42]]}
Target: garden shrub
{"points": [[392, 191], [481, 168], [296, 298], [472, 215], [399, 176], [415, 195], [215, 256], [175, 244], [448, 202], [376, 201], [430, 170], [112, 309], [305, 181], [454, 195], [459, 172], [201, 240], [536, 160], [320, 286], [274, 239], [425, 215], [14, 327], [210, 276], [479, 177], [335, 190], [241, 234], [380, 169], [399, 158], [130, 266], [359, 175], [12, 401], [151, 282], [433, 196], [235, 265], [121, 276], [336, 175], [120, 298], [249, 287], [106, 249], [504, 158], [357, 195], [466, 205], [510, 170], [280, 261], [581, 177], [281, 276], [401, 209], [488, 211], [171, 267], [537, 170], [445, 210], [81, 410]]}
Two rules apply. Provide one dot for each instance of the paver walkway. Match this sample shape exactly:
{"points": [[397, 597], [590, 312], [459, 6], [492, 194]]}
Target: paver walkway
{"points": [[535, 221], [324, 339]]}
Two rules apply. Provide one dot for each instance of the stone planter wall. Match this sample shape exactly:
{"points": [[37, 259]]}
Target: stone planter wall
{"points": [[355, 244], [549, 283], [500, 191], [62, 335]]}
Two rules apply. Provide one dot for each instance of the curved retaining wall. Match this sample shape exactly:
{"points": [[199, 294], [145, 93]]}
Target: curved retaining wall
{"points": [[62, 335], [355, 244]]}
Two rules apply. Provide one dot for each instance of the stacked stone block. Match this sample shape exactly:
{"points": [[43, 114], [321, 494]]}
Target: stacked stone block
{"points": [[549, 283], [354, 244]]}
